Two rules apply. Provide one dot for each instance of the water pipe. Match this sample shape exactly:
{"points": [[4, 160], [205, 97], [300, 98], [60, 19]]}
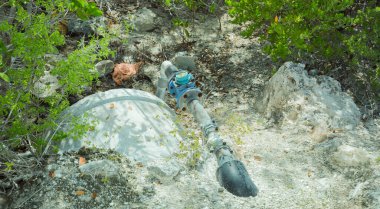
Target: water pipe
{"points": [[231, 173]]}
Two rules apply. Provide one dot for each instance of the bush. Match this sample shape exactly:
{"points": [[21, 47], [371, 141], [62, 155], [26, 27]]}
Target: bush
{"points": [[330, 33], [29, 32]]}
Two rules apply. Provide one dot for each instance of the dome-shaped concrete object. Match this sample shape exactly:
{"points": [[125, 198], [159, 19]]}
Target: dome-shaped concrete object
{"points": [[132, 122]]}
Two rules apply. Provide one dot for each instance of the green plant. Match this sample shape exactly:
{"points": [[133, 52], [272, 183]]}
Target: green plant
{"points": [[29, 121], [334, 33], [237, 127], [184, 27], [85, 9], [191, 148], [105, 180], [192, 5]]}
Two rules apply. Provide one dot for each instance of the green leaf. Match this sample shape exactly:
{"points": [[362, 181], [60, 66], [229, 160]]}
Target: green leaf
{"points": [[168, 3], [79, 3], [82, 14], [9, 166], [4, 77], [93, 10], [3, 49], [212, 7]]}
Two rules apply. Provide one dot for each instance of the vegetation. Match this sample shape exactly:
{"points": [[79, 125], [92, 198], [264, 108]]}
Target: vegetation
{"points": [[340, 34], [335, 34], [31, 33]]}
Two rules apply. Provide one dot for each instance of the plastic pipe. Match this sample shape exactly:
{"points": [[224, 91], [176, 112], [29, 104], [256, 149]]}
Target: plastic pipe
{"points": [[231, 173]]}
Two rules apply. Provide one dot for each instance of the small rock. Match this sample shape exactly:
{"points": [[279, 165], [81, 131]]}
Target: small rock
{"points": [[152, 72], [53, 58], [46, 86], [184, 62], [86, 27], [145, 20], [85, 198], [104, 168], [128, 59], [104, 67], [313, 72], [165, 171], [350, 156], [58, 173]]}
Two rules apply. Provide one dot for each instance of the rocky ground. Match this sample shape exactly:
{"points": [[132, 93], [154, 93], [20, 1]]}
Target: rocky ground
{"points": [[301, 138]]}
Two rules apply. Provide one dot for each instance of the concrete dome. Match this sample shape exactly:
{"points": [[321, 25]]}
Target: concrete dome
{"points": [[132, 122]]}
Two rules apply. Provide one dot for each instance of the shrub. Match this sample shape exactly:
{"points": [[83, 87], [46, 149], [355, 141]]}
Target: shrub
{"points": [[30, 32], [329, 32]]}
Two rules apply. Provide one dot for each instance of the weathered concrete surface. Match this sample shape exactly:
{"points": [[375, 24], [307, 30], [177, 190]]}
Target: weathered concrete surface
{"points": [[132, 122]]}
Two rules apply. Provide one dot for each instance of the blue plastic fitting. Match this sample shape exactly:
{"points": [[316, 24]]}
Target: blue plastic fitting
{"points": [[183, 77], [182, 86]]}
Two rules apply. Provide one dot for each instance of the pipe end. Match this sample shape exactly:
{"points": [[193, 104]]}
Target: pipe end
{"points": [[233, 176]]}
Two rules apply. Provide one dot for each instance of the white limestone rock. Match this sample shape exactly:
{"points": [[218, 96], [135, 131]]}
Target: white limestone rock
{"points": [[46, 85], [291, 95]]}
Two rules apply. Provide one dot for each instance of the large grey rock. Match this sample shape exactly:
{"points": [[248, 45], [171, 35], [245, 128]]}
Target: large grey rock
{"points": [[46, 85], [293, 96]]}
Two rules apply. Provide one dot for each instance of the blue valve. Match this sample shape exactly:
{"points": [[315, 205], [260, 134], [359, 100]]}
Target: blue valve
{"points": [[182, 87], [183, 77]]}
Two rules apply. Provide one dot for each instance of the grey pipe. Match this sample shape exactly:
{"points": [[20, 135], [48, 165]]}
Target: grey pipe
{"points": [[167, 71]]}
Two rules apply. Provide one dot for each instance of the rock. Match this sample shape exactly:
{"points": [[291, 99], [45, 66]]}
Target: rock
{"points": [[85, 198], [145, 20], [58, 173], [105, 168], [165, 171], [104, 67], [152, 72], [350, 156], [291, 95], [53, 58], [184, 62], [46, 86], [128, 59], [86, 27]]}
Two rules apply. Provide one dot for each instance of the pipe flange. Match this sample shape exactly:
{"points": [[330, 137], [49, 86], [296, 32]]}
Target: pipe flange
{"points": [[207, 129]]}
